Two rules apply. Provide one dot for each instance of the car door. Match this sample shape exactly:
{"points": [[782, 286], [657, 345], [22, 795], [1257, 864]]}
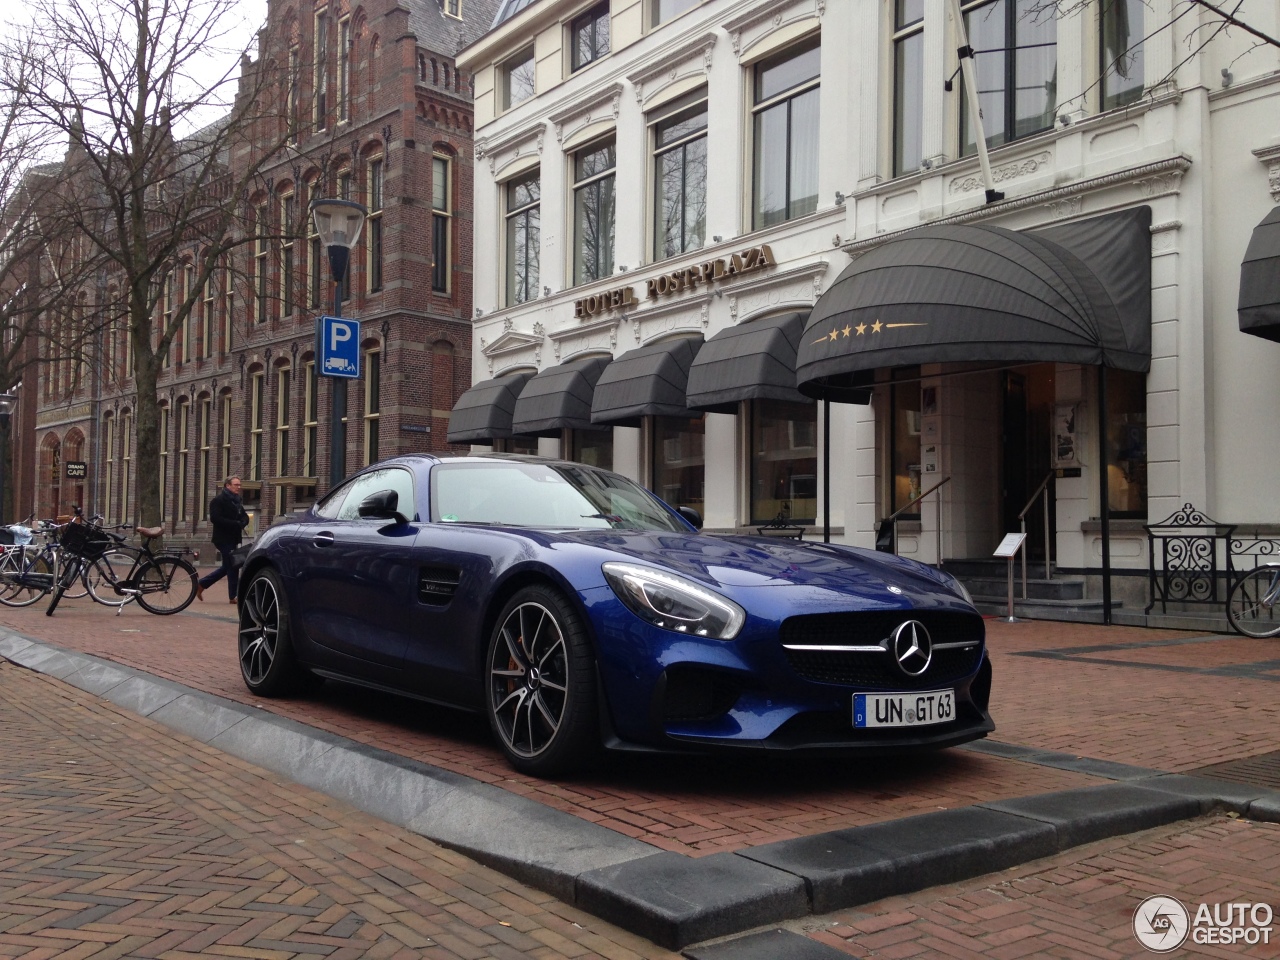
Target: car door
{"points": [[357, 579]]}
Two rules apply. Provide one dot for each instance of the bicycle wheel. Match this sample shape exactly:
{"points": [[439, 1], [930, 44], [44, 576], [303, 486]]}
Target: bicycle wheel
{"points": [[66, 577], [1253, 608], [101, 576], [78, 587], [166, 585], [26, 577]]}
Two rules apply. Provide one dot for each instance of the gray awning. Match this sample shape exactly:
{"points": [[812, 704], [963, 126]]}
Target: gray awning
{"points": [[483, 413], [648, 381], [973, 293], [752, 361], [558, 398], [1259, 307]]}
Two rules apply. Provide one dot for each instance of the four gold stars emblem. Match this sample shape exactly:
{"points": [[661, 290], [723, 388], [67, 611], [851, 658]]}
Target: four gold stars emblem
{"points": [[861, 329]]}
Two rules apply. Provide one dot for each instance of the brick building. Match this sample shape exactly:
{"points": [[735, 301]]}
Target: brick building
{"points": [[378, 113]]}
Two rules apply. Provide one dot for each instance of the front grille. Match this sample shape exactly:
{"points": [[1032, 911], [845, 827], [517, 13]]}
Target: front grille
{"points": [[879, 671]]}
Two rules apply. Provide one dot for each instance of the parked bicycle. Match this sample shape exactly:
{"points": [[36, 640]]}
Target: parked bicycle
{"points": [[117, 573], [31, 564], [1253, 606]]}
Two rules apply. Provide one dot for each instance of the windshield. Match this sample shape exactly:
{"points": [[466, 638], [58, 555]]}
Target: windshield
{"points": [[543, 495]]}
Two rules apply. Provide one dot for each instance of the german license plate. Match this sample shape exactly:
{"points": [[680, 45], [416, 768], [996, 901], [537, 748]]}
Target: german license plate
{"points": [[903, 709]]}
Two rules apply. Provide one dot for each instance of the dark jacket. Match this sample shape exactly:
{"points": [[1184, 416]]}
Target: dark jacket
{"points": [[226, 514]]}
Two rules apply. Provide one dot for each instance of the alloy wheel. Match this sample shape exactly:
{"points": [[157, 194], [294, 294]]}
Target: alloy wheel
{"points": [[528, 679], [259, 630]]}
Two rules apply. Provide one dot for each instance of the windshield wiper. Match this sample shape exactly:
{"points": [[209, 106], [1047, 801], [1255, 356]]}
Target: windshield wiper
{"points": [[611, 517]]}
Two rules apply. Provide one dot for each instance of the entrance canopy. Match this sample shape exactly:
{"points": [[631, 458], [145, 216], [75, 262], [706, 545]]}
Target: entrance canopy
{"points": [[752, 361], [483, 413], [975, 293], [1259, 307], [558, 398], [649, 381]]}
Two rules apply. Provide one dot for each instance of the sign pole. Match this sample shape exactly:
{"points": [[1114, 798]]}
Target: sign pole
{"points": [[338, 257], [1008, 549]]}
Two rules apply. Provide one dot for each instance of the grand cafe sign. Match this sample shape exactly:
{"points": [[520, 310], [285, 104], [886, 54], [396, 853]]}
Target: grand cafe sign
{"points": [[677, 281]]}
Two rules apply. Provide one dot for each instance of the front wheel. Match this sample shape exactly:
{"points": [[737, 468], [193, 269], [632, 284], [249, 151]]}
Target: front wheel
{"points": [[267, 661], [166, 585], [25, 577], [66, 577], [103, 574], [1253, 608], [540, 685]]}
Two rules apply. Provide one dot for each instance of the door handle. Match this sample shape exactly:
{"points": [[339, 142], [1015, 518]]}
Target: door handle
{"points": [[323, 539]]}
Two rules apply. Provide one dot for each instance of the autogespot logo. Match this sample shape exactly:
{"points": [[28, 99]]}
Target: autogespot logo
{"points": [[1161, 924]]}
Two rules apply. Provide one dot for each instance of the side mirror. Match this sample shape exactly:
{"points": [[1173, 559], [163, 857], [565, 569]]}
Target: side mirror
{"points": [[692, 515], [383, 505]]}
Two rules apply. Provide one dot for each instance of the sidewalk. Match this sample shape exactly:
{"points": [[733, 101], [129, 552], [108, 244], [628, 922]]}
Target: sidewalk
{"points": [[1120, 697]]}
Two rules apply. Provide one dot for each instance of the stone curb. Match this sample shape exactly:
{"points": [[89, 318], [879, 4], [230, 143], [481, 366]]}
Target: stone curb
{"points": [[671, 899]]}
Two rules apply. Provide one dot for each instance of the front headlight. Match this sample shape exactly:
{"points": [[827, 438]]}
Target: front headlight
{"points": [[674, 603], [963, 591]]}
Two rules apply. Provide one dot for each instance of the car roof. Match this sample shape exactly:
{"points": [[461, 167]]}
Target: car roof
{"points": [[430, 459]]}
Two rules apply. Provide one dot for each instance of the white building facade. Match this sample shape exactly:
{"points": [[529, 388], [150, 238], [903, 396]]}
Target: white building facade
{"points": [[654, 177]]}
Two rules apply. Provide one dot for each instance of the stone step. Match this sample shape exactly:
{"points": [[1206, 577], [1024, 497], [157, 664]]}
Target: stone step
{"points": [[1077, 611], [992, 568], [1060, 588]]}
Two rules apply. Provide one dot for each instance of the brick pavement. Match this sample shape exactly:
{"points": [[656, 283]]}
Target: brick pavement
{"points": [[1077, 904], [1076, 700], [119, 838]]}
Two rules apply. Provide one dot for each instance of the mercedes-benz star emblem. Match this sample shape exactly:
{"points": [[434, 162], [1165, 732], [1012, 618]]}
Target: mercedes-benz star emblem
{"points": [[912, 647]]}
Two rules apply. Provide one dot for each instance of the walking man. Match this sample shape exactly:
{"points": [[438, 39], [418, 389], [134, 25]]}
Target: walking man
{"points": [[227, 516]]}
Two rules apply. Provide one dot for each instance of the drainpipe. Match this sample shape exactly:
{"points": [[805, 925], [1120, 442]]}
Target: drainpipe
{"points": [[1104, 510]]}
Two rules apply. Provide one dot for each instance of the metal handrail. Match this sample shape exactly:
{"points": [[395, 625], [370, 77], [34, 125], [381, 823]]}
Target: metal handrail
{"points": [[893, 517], [1022, 519]]}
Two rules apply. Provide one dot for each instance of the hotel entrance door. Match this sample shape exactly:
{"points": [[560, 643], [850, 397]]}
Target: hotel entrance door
{"points": [[1026, 455]]}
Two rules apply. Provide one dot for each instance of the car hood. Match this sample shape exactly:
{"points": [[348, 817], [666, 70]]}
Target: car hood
{"points": [[744, 562]]}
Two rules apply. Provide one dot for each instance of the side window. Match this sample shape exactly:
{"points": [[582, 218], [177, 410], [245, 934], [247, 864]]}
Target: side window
{"points": [[332, 503], [401, 481], [364, 485]]}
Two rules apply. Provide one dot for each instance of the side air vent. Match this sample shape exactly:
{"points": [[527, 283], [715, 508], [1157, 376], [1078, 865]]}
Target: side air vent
{"points": [[437, 585]]}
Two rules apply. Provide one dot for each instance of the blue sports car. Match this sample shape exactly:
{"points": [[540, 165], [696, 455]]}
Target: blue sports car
{"points": [[578, 610]]}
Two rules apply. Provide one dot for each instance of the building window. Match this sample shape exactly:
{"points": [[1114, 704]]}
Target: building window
{"points": [[206, 318], [1127, 443], [344, 193], [453, 8], [311, 421], [593, 176], [518, 79], [372, 404], [184, 425], [592, 447], [908, 85], [164, 462], [785, 121], [523, 237], [1122, 67], [282, 433], [1015, 64], [374, 246], [225, 438], [260, 266], [589, 36], [321, 80], [226, 310], [288, 212], [257, 416], [188, 352], [126, 461], [109, 452], [663, 10], [784, 460], [291, 107], [315, 256], [679, 470], [904, 412], [202, 472], [440, 222], [344, 69], [680, 180], [166, 321]]}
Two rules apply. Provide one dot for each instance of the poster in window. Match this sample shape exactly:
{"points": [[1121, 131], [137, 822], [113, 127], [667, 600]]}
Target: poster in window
{"points": [[929, 458], [1065, 437], [928, 401]]}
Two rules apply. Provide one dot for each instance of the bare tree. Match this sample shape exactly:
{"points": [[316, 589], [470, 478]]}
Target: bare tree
{"points": [[166, 148]]}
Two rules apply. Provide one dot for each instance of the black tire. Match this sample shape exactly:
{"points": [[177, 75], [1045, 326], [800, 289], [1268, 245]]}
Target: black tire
{"points": [[66, 576], [540, 687], [103, 574], [166, 585], [24, 579], [1253, 608], [268, 665]]}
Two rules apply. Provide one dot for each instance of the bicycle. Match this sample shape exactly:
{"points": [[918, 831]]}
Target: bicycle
{"points": [[1253, 606], [28, 571], [162, 584]]}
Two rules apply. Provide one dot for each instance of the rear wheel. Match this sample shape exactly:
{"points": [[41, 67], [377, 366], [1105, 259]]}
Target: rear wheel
{"points": [[25, 577], [267, 661], [540, 684], [166, 585], [66, 577], [1254, 605], [104, 573]]}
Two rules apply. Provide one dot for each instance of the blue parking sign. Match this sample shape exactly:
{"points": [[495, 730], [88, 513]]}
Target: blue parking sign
{"points": [[339, 347]]}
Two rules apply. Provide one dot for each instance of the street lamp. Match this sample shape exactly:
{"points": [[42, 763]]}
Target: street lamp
{"points": [[7, 402], [338, 223]]}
